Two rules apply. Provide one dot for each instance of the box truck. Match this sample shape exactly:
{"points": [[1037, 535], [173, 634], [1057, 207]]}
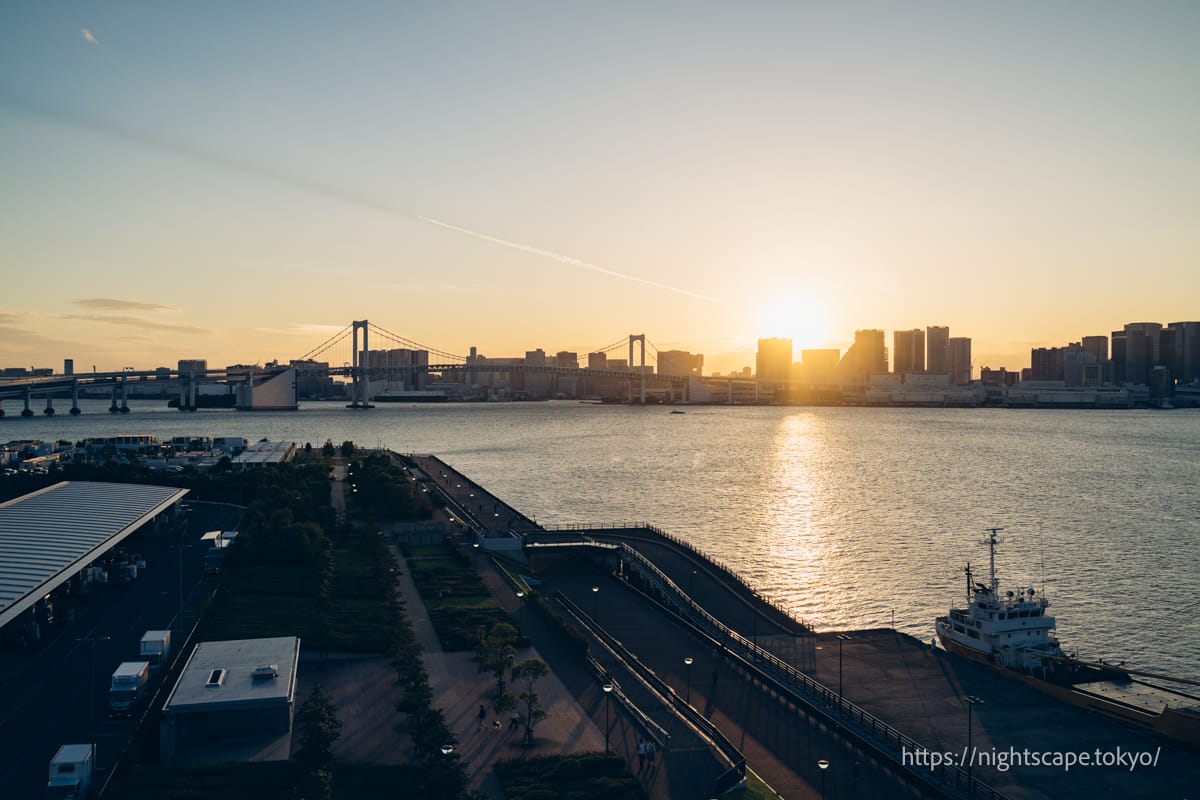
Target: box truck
{"points": [[71, 772], [155, 648], [128, 683]]}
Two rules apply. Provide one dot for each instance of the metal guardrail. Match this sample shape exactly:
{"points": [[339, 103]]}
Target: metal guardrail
{"points": [[887, 742], [877, 735], [651, 728], [681, 708], [684, 544]]}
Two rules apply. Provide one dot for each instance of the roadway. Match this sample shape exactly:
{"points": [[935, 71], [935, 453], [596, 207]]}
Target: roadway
{"points": [[49, 699]]}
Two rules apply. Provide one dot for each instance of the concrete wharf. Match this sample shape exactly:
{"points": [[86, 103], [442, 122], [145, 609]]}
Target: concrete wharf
{"points": [[770, 686]]}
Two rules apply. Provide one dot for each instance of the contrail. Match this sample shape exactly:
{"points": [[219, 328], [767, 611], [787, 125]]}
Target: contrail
{"points": [[575, 262], [194, 153]]}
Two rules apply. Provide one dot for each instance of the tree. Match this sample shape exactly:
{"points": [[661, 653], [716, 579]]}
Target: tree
{"points": [[348, 449], [319, 729], [327, 449], [525, 675], [496, 650]]}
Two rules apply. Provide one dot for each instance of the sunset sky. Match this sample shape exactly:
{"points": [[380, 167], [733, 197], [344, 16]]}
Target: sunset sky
{"points": [[237, 181]]}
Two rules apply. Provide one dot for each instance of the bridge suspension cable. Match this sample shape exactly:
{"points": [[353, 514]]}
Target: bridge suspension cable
{"points": [[415, 345], [618, 343], [332, 340]]}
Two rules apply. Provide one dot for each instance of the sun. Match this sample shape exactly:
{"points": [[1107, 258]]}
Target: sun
{"points": [[795, 316]]}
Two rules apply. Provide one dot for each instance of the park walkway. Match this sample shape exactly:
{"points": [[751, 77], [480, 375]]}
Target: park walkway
{"points": [[459, 688]]}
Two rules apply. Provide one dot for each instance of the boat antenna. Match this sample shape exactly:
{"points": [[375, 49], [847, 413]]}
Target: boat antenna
{"points": [[992, 556]]}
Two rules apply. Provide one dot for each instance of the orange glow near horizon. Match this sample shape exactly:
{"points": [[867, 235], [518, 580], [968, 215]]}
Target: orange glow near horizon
{"points": [[796, 316]]}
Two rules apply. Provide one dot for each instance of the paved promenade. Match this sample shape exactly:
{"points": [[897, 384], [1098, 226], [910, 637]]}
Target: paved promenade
{"points": [[459, 688]]}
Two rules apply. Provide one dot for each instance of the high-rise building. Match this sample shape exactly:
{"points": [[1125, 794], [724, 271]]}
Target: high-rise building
{"points": [[68, 366], [866, 357], [1118, 357], [1141, 350], [1097, 346], [680, 362], [908, 351], [958, 352], [597, 361], [1184, 358], [565, 359], [937, 340], [774, 360]]}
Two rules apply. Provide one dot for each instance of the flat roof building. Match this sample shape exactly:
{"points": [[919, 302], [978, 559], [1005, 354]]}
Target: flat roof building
{"points": [[234, 700]]}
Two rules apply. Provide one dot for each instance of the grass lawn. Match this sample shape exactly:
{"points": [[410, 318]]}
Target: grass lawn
{"points": [[456, 599], [593, 776], [282, 600]]}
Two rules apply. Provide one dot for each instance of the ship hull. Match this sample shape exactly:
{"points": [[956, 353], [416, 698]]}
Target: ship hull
{"points": [[1180, 726]]}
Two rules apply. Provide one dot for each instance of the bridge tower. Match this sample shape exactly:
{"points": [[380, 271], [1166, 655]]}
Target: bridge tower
{"points": [[360, 386], [641, 337]]}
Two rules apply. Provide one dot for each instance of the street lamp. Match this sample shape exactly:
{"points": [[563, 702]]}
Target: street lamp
{"points": [[971, 701], [824, 765], [520, 609], [595, 601], [475, 546], [687, 661], [447, 749], [841, 638], [608, 687]]}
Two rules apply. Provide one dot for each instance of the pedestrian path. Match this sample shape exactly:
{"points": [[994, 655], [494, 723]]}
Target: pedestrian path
{"points": [[459, 689]]}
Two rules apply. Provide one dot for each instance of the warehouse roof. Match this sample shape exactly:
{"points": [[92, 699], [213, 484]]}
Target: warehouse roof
{"points": [[49, 535], [238, 673]]}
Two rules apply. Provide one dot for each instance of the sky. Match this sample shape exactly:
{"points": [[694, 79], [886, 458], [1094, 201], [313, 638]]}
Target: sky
{"points": [[239, 181]]}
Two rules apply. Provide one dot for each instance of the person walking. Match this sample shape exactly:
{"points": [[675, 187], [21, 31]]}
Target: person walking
{"points": [[481, 717], [641, 751], [650, 753], [516, 720]]}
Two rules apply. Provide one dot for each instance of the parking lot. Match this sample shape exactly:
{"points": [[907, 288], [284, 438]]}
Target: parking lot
{"points": [[55, 689]]}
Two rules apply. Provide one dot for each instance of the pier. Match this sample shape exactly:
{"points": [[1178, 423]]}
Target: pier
{"points": [[732, 681]]}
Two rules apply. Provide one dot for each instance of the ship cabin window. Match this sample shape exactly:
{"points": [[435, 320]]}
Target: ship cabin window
{"points": [[973, 634]]}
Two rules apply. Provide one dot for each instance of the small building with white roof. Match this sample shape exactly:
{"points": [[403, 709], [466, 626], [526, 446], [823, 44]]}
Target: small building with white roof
{"points": [[234, 701]]}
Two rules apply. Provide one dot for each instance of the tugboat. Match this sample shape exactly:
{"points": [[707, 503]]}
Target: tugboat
{"points": [[1014, 634]]}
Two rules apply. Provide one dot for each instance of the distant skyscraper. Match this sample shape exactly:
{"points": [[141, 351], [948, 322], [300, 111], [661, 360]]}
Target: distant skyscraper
{"points": [[597, 361], [866, 357], [680, 362], [774, 360], [937, 340], [1097, 346], [1184, 360], [68, 366], [1118, 356], [1141, 350], [908, 351], [566, 359], [959, 357]]}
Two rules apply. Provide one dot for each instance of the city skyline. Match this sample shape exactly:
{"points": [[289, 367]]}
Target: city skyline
{"points": [[239, 183]]}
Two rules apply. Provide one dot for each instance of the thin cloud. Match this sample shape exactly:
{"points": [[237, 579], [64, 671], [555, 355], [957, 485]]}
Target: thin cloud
{"points": [[109, 304], [135, 322], [87, 36], [305, 329], [575, 262], [195, 153]]}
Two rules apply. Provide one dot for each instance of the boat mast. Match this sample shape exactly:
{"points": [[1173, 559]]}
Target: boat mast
{"points": [[992, 555]]}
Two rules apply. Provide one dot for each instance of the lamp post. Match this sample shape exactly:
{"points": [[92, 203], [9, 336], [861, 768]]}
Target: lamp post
{"points": [[520, 609], [607, 687], [841, 638], [971, 701], [824, 765], [475, 547], [595, 601], [692, 585], [687, 662]]}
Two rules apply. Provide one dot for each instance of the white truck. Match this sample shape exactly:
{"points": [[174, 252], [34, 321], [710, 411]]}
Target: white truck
{"points": [[155, 648], [71, 772], [128, 683]]}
